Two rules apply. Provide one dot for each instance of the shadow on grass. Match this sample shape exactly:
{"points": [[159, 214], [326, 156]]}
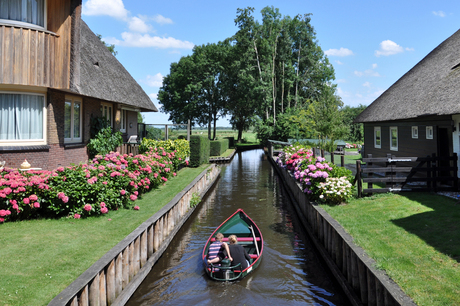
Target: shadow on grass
{"points": [[439, 228]]}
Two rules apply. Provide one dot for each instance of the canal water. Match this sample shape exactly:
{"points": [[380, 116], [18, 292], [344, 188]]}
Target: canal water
{"points": [[290, 273]]}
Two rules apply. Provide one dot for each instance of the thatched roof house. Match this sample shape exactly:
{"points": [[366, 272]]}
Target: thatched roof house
{"points": [[420, 113], [103, 77], [57, 75], [430, 88]]}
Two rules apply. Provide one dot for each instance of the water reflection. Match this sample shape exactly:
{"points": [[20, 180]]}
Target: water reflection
{"points": [[290, 271]]}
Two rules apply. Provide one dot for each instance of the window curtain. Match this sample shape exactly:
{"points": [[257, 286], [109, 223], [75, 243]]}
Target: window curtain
{"points": [[30, 11], [21, 117]]}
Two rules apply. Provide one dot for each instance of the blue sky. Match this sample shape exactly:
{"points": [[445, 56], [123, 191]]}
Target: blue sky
{"points": [[371, 44]]}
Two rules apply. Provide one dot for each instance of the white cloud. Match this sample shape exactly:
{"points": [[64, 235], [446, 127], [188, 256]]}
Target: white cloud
{"points": [[339, 81], [138, 24], [339, 52], [144, 41], [339, 62], [374, 66], [388, 47], [367, 84], [368, 72], [162, 20], [113, 8], [155, 80], [342, 94], [439, 13]]}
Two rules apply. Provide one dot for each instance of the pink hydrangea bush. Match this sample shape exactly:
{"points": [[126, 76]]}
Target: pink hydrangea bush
{"points": [[115, 180], [311, 172]]}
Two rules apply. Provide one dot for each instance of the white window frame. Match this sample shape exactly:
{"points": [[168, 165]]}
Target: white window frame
{"points": [[123, 120], [429, 132], [379, 130], [392, 147], [109, 114], [73, 101], [28, 142], [24, 24], [415, 132]]}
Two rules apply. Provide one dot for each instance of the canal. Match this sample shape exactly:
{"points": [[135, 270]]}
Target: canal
{"points": [[290, 272]]}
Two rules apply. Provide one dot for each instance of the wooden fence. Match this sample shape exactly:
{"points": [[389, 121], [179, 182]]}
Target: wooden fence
{"points": [[114, 277], [399, 174], [128, 148]]}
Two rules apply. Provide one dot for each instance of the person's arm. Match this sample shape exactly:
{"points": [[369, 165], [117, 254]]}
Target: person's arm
{"points": [[246, 255], [227, 249]]}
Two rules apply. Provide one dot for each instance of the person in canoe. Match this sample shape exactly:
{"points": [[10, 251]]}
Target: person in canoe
{"points": [[216, 250], [240, 256]]}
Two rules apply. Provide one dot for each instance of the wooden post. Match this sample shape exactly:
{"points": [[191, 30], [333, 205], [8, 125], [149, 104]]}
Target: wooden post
{"points": [[428, 173], [322, 153], [342, 160], [111, 291], [332, 158], [358, 179], [188, 130]]}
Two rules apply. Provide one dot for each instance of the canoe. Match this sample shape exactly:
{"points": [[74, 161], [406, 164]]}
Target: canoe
{"points": [[249, 236]]}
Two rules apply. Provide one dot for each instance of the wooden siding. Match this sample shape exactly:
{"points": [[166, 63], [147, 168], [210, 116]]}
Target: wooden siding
{"points": [[37, 57], [407, 146]]}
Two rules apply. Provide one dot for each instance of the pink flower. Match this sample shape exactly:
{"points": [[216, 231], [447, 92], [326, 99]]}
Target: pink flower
{"points": [[136, 193], [174, 174], [87, 207], [13, 202], [61, 195], [15, 206], [105, 183], [2, 220], [122, 192], [60, 169], [26, 200], [102, 204], [135, 161], [136, 207], [76, 216], [65, 199], [36, 205], [133, 197], [104, 210], [3, 213], [33, 197], [164, 179]]}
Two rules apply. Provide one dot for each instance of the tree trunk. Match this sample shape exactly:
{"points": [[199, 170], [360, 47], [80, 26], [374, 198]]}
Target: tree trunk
{"points": [[215, 128], [240, 133], [297, 73], [282, 92]]}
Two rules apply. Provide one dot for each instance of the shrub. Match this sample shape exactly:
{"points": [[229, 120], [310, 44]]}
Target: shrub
{"points": [[104, 142], [231, 141], [199, 150], [106, 183], [217, 147], [180, 148], [313, 173]]}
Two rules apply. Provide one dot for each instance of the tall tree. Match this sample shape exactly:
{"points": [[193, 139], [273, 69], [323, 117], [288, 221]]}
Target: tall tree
{"points": [[356, 129]]}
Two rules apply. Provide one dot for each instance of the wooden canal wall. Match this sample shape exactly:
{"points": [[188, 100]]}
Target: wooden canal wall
{"points": [[113, 278], [353, 269]]}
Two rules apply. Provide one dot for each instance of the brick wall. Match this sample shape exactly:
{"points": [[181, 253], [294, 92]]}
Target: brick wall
{"points": [[57, 153]]}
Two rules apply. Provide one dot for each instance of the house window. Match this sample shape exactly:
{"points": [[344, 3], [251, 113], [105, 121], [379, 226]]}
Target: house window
{"points": [[394, 138], [22, 118], [72, 121], [124, 120], [107, 112], [429, 132], [377, 137], [24, 11], [415, 132]]}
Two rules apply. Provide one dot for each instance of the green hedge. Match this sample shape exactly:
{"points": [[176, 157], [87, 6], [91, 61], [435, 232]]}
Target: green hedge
{"points": [[231, 141], [218, 147], [199, 150]]}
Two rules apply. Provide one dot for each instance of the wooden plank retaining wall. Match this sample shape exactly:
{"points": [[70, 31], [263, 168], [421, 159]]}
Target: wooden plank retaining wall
{"points": [[353, 269], [113, 278]]}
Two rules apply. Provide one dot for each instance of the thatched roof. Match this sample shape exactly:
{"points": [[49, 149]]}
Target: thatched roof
{"points": [[432, 87], [103, 77]]}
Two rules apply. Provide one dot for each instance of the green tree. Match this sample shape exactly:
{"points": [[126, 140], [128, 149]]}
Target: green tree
{"points": [[349, 114], [110, 47]]}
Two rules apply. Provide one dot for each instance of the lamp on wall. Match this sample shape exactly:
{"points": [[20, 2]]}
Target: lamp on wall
{"points": [[130, 125]]}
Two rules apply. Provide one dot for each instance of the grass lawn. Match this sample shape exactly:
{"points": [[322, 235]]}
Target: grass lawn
{"points": [[414, 237], [227, 153], [39, 258]]}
